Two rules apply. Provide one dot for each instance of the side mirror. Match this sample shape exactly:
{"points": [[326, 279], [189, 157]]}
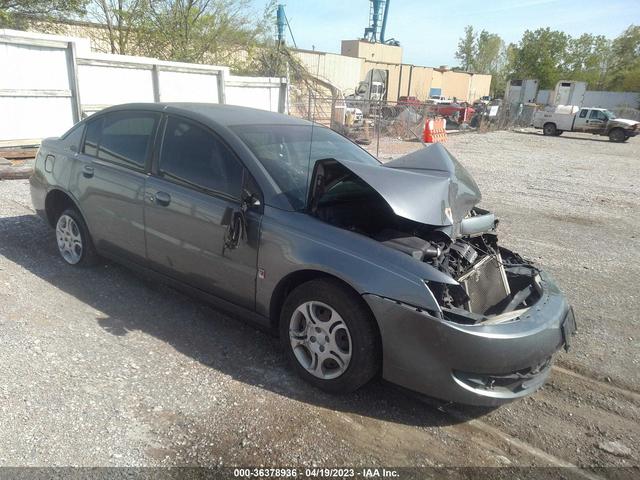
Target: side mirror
{"points": [[249, 200]]}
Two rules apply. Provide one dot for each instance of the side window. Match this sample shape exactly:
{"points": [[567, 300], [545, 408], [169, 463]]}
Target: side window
{"points": [[92, 138], [194, 155], [71, 139], [583, 113], [127, 137]]}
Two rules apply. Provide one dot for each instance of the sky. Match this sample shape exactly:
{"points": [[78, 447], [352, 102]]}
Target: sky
{"points": [[429, 30]]}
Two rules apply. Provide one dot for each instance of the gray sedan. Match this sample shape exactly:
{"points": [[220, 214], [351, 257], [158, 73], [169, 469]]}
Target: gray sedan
{"points": [[363, 269]]}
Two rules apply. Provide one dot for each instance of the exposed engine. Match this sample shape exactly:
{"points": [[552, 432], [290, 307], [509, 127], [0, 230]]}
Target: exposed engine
{"points": [[492, 281], [475, 262]]}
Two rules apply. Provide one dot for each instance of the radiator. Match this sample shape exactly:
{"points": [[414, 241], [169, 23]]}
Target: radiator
{"points": [[486, 284]]}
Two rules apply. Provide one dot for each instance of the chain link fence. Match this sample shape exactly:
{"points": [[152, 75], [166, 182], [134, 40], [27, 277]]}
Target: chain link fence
{"points": [[374, 122]]}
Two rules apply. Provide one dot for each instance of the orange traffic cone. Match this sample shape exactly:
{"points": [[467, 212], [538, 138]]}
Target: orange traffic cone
{"points": [[427, 135]]}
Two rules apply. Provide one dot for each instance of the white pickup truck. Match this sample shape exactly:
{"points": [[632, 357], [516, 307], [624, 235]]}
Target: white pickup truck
{"points": [[597, 121]]}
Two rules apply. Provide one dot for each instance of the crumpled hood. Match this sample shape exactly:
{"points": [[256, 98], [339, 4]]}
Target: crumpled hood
{"points": [[427, 186]]}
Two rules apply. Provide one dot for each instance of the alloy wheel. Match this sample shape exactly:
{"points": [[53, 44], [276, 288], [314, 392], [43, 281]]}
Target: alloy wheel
{"points": [[69, 239]]}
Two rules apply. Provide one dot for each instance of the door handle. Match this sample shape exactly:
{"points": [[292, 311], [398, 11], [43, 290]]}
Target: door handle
{"points": [[163, 198], [87, 171]]}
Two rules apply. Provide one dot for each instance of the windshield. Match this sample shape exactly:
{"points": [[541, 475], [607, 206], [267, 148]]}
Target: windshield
{"points": [[610, 114], [287, 153]]}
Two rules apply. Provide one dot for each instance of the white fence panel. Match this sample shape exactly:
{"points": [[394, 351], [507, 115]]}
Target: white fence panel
{"points": [[103, 84], [611, 99], [188, 86], [54, 81], [37, 86], [597, 99], [264, 93], [29, 119]]}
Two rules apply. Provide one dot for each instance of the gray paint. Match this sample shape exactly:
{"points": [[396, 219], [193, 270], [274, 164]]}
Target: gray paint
{"points": [[184, 244]]}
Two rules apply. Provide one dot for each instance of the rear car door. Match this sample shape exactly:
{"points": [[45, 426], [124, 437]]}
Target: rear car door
{"points": [[191, 199], [108, 180]]}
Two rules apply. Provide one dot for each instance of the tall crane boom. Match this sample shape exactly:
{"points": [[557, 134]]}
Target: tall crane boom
{"points": [[376, 30]]}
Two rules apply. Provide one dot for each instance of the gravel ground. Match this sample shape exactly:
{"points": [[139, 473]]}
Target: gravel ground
{"points": [[103, 368]]}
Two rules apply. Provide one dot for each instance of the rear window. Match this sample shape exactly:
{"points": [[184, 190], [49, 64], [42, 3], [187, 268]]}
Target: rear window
{"points": [[121, 137]]}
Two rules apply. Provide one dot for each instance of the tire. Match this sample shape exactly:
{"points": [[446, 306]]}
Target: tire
{"points": [[617, 135], [74, 242], [324, 315], [549, 129]]}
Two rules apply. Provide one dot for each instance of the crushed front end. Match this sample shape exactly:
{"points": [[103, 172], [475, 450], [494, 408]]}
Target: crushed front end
{"points": [[490, 323], [499, 324]]}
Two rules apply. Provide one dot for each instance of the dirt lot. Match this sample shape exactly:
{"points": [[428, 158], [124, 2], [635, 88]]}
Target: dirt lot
{"points": [[101, 367]]}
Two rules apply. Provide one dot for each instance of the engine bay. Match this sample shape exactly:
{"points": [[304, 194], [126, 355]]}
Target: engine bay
{"points": [[493, 283]]}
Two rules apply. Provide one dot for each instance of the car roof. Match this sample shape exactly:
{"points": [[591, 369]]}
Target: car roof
{"points": [[227, 115]]}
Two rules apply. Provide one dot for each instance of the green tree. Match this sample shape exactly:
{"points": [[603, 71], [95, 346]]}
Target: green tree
{"points": [[490, 57], [467, 48], [225, 32], [488, 52], [542, 54], [587, 59], [13, 12], [624, 68], [122, 20]]}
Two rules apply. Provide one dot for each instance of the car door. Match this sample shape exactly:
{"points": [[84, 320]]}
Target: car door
{"points": [[192, 209], [109, 176], [580, 123], [596, 122]]}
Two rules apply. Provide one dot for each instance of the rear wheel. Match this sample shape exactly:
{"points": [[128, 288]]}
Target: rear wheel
{"points": [[617, 135], [329, 336], [73, 239], [549, 129]]}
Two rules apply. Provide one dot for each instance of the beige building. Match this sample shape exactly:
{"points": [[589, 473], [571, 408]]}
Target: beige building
{"points": [[374, 52], [359, 57]]}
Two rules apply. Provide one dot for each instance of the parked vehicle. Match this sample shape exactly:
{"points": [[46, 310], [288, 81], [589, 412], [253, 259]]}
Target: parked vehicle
{"points": [[410, 102], [597, 121], [438, 99], [455, 111], [362, 267]]}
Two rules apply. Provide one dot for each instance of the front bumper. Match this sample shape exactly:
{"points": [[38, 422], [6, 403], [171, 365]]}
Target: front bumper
{"points": [[473, 364]]}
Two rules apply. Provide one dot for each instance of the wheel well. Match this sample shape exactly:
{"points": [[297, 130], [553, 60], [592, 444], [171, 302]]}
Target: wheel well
{"points": [[291, 281], [57, 202], [549, 123]]}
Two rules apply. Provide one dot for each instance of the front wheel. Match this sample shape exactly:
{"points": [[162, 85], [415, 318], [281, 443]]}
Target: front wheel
{"points": [[617, 135], [329, 336], [73, 239]]}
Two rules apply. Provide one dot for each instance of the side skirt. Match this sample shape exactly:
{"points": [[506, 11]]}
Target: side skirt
{"points": [[241, 313]]}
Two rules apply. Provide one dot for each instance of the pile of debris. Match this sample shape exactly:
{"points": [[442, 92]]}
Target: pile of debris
{"points": [[16, 163]]}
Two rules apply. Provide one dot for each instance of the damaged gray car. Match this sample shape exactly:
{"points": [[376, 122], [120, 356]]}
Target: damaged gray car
{"points": [[362, 268]]}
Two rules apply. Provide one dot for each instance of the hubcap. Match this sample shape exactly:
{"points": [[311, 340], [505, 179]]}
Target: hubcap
{"points": [[320, 340], [69, 239]]}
